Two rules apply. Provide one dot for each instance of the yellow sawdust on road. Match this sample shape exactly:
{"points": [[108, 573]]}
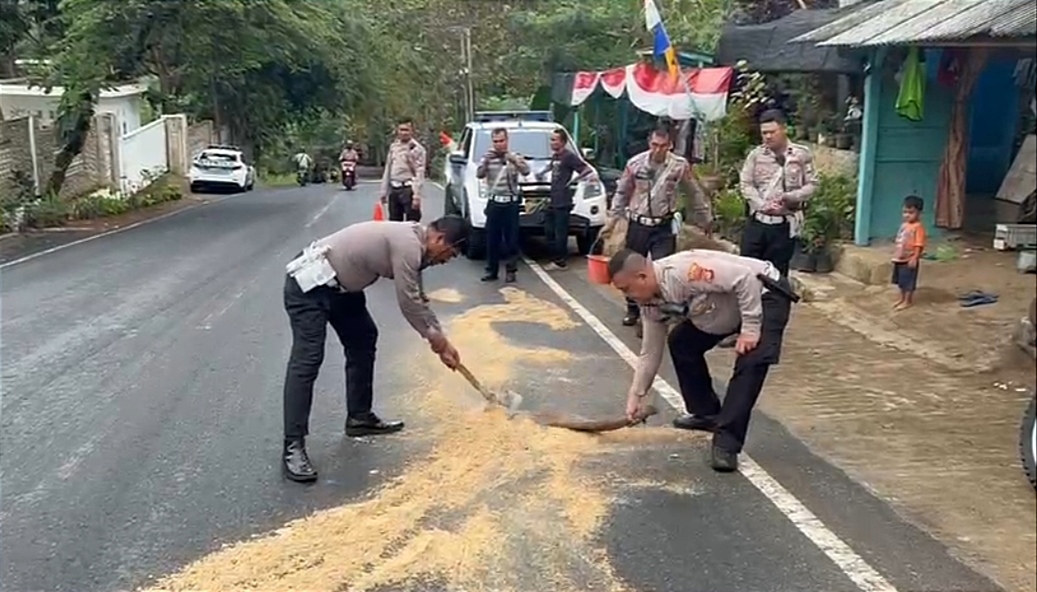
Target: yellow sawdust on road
{"points": [[445, 295], [497, 504]]}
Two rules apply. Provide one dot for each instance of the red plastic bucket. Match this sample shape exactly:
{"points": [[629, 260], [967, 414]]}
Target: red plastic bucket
{"points": [[598, 269]]}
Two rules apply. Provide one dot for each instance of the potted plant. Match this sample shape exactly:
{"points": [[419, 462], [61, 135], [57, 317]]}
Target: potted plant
{"points": [[828, 218]]}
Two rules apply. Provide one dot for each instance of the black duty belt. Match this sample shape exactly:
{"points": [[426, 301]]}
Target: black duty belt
{"points": [[504, 199], [651, 221]]}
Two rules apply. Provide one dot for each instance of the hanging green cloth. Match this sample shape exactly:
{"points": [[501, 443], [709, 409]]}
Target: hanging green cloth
{"points": [[911, 98]]}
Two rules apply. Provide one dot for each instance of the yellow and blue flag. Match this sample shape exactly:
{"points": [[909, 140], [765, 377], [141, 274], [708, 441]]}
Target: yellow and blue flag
{"points": [[661, 46]]}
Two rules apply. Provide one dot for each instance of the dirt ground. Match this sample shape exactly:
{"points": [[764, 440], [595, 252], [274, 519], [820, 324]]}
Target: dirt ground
{"points": [[922, 406]]}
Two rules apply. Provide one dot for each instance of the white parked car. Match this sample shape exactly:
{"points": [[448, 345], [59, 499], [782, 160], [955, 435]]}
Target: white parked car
{"points": [[221, 167], [529, 134]]}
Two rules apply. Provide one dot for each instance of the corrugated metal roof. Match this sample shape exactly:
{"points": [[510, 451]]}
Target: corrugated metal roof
{"points": [[902, 22]]}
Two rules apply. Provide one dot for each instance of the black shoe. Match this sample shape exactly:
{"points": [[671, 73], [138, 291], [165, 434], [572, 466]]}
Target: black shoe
{"points": [[295, 463], [509, 277], [489, 277], [631, 319], [695, 422], [723, 461], [370, 424], [561, 264]]}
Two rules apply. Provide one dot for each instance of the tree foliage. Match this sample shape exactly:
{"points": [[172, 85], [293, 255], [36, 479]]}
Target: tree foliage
{"points": [[277, 72]]}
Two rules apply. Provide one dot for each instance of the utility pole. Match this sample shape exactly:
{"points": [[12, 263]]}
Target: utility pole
{"points": [[466, 72]]}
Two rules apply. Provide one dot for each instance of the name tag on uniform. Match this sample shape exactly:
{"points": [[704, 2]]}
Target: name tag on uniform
{"points": [[311, 269]]}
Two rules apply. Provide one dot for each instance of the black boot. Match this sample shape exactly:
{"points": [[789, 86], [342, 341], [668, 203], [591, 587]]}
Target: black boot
{"points": [[631, 319], [723, 461], [696, 422], [509, 276], [295, 463], [369, 424], [490, 276]]}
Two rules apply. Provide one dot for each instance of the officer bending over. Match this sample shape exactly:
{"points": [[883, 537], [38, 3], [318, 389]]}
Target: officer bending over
{"points": [[325, 286], [707, 295]]}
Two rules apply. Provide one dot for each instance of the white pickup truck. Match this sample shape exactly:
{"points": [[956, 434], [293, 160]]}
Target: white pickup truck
{"points": [[529, 134]]}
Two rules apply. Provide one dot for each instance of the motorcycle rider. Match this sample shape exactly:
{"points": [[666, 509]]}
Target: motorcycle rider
{"points": [[303, 163], [349, 153]]}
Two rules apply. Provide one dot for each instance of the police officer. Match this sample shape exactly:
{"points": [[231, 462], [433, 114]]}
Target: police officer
{"points": [[358, 255], [404, 175], [647, 195], [501, 169], [777, 179], [708, 295]]}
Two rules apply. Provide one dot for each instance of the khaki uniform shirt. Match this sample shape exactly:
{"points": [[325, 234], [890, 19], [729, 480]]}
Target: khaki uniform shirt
{"points": [[635, 193], [777, 189], [405, 162], [723, 295], [363, 252], [501, 175]]}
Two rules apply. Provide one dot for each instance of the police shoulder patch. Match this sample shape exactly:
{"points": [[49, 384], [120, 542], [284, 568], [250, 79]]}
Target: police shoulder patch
{"points": [[698, 273]]}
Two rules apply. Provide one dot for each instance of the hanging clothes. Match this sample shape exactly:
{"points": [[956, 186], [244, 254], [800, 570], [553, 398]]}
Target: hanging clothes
{"points": [[910, 100]]}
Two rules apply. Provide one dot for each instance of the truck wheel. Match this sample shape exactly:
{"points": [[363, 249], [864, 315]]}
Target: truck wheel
{"points": [[585, 242], [449, 205], [476, 249], [1028, 442]]}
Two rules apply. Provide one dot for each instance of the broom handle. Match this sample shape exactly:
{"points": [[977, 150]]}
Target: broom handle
{"points": [[472, 380]]}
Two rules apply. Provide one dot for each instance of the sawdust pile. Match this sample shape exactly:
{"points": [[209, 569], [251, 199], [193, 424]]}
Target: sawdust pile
{"points": [[498, 504], [446, 296]]}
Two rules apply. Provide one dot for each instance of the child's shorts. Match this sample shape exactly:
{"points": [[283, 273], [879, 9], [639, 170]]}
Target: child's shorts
{"points": [[905, 277]]}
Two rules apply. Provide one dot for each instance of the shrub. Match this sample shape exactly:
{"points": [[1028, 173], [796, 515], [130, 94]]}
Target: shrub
{"points": [[830, 212], [729, 212], [46, 212]]}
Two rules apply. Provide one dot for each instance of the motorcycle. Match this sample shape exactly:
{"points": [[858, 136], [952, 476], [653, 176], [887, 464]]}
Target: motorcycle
{"points": [[349, 174]]}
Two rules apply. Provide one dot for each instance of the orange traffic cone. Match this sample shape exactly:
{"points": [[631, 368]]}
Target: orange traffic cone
{"points": [[379, 212]]}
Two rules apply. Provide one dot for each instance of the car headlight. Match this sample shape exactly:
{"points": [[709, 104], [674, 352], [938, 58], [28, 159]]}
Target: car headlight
{"points": [[592, 189]]}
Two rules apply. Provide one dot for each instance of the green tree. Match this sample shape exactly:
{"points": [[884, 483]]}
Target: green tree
{"points": [[254, 67]]}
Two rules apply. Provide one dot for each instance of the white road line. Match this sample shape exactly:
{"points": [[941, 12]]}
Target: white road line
{"points": [[322, 211], [116, 231], [867, 578]]}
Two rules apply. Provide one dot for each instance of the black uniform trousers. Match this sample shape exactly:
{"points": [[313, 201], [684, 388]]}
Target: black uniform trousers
{"points": [[309, 314], [688, 345], [502, 236], [401, 205], [657, 241], [768, 242]]}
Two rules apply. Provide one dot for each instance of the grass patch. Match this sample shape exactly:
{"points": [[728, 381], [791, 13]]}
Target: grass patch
{"points": [[277, 179]]}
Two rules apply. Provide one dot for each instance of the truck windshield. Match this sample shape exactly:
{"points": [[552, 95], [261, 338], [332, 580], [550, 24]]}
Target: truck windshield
{"points": [[533, 144]]}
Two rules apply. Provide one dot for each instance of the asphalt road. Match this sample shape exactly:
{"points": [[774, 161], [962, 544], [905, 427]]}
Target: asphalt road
{"points": [[141, 426]]}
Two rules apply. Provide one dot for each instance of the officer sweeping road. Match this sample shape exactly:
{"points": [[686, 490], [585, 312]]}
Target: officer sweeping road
{"points": [[501, 169], [647, 195], [708, 295], [325, 285]]}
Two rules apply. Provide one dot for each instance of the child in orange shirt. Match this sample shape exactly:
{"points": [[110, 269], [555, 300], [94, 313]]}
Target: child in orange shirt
{"points": [[908, 252]]}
